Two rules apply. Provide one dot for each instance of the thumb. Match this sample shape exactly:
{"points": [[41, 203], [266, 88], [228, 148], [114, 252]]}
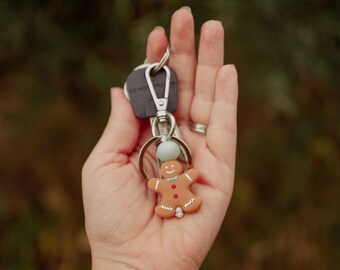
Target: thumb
{"points": [[122, 130]]}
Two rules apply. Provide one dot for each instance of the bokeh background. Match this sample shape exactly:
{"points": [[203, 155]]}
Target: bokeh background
{"points": [[58, 60]]}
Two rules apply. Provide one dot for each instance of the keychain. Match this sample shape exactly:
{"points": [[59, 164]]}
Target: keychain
{"points": [[152, 90]]}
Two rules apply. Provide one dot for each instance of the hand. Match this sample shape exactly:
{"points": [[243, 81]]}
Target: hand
{"points": [[122, 228]]}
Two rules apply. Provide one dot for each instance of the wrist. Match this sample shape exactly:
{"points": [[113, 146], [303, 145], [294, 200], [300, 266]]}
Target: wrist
{"points": [[109, 257], [101, 264]]}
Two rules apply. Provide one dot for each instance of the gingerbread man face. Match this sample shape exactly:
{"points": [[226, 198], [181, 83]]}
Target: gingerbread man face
{"points": [[174, 187], [171, 168]]}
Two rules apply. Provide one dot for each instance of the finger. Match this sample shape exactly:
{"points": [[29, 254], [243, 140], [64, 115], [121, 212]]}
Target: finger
{"points": [[121, 133], [183, 59], [222, 130], [156, 45], [210, 59]]}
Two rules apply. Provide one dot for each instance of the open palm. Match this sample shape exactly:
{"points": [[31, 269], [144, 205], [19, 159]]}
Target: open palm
{"points": [[123, 230]]}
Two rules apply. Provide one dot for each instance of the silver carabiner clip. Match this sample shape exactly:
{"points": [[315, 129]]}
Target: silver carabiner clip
{"points": [[161, 103]]}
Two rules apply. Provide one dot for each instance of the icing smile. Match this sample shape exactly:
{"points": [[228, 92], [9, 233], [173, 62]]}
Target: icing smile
{"points": [[168, 172]]}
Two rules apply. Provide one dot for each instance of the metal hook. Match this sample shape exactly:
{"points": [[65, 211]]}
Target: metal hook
{"points": [[161, 103], [169, 119]]}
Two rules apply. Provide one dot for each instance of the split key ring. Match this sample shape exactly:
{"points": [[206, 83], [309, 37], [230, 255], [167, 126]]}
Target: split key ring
{"points": [[161, 63]]}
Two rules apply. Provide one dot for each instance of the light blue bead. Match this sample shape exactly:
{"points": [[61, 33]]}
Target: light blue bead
{"points": [[168, 150]]}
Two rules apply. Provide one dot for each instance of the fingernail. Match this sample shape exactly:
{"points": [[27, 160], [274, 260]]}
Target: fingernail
{"points": [[159, 28], [186, 8]]}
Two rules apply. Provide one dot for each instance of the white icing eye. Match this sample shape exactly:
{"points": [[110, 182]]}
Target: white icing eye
{"points": [[166, 167], [172, 166]]}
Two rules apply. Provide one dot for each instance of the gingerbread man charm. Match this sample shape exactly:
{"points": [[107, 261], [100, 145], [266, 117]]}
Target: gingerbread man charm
{"points": [[174, 186]]}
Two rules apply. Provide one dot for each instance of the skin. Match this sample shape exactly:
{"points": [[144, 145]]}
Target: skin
{"points": [[122, 228]]}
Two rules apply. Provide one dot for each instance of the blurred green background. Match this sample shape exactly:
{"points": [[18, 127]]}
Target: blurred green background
{"points": [[58, 60]]}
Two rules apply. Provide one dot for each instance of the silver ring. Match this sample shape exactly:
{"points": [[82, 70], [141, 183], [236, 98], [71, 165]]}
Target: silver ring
{"points": [[199, 128], [161, 63], [158, 139]]}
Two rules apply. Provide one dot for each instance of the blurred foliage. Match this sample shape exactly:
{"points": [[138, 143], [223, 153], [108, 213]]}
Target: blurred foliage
{"points": [[58, 60]]}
